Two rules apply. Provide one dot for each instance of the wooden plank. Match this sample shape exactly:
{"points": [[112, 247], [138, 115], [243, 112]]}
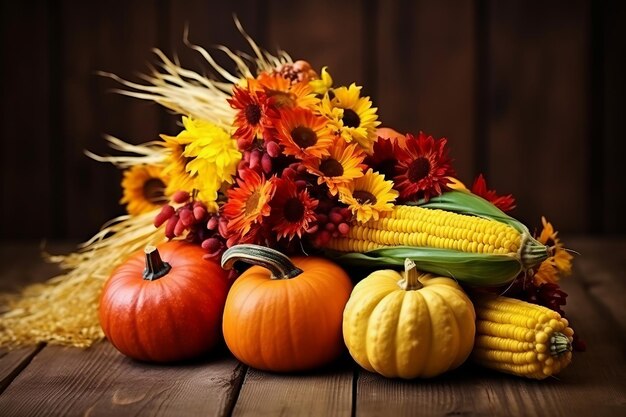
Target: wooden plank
{"points": [[539, 63], [611, 89], [325, 33], [426, 73], [326, 392], [101, 382], [592, 385], [115, 37], [12, 362], [25, 180]]}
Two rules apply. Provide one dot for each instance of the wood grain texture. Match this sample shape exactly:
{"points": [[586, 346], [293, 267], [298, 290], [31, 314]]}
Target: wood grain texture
{"points": [[426, 72], [326, 392], [25, 118], [101, 382], [12, 362], [537, 133], [114, 37]]}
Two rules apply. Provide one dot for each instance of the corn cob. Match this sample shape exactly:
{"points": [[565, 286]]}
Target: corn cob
{"points": [[520, 338], [458, 235]]}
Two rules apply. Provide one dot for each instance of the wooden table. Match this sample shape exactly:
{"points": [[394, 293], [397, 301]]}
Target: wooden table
{"points": [[55, 381]]}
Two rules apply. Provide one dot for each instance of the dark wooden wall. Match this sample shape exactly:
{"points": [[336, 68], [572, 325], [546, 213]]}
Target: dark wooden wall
{"points": [[528, 92]]}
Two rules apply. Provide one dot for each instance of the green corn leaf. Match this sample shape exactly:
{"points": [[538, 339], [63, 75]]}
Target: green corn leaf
{"points": [[475, 269]]}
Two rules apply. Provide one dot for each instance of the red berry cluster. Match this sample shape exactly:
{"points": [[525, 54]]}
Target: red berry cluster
{"points": [[333, 224], [192, 219]]}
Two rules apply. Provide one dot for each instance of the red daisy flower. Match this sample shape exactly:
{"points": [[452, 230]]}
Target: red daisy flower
{"points": [[292, 210], [505, 203], [253, 116], [384, 157], [248, 203], [423, 165]]}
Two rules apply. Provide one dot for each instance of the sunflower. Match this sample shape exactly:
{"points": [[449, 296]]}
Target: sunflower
{"points": [[303, 133], [144, 189], [351, 115], [561, 259], [423, 167], [281, 92], [292, 210], [248, 203], [253, 115], [505, 203], [343, 165], [546, 273], [368, 196]]}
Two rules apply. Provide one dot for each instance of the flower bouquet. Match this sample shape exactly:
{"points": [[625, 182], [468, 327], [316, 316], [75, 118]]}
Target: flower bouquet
{"points": [[275, 161]]}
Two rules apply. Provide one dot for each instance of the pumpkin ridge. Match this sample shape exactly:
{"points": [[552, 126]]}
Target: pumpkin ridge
{"points": [[386, 312], [429, 345], [456, 331]]}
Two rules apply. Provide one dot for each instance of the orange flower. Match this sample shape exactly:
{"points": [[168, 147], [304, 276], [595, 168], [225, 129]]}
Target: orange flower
{"points": [[561, 259], [248, 203], [292, 211], [282, 93], [253, 116], [343, 165], [303, 134], [423, 166]]}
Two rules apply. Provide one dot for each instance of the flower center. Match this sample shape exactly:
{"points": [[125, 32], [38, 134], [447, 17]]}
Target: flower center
{"points": [[281, 98], [364, 197], [350, 118], [331, 168], [419, 169], [293, 210], [153, 190], [304, 136], [253, 113], [252, 202]]}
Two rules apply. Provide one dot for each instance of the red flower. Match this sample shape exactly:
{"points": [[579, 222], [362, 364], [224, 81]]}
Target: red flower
{"points": [[384, 157], [423, 167], [292, 210], [505, 203], [253, 117]]}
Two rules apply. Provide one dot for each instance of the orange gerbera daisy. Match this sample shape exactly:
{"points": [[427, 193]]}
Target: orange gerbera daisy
{"points": [[343, 165], [281, 92], [248, 203], [561, 258], [292, 210], [503, 202], [253, 115], [303, 133], [423, 167]]}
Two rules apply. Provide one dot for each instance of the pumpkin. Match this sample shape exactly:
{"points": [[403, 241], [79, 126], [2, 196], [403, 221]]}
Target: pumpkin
{"points": [[165, 304], [416, 325], [284, 314]]}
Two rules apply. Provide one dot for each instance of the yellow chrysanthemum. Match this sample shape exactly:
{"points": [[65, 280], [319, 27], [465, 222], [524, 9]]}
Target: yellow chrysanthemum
{"points": [[561, 259], [369, 196], [323, 84], [144, 189], [202, 157], [351, 115]]}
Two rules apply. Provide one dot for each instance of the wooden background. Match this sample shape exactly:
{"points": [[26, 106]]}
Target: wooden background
{"points": [[528, 92]]}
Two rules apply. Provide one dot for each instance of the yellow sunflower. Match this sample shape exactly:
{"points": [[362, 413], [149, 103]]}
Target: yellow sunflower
{"points": [[351, 115], [546, 273], [369, 196], [144, 189], [344, 164], [561, 259], [202, 157]]}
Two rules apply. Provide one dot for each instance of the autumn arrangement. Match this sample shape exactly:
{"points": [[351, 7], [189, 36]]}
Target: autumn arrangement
{"points": [[243, 225]]}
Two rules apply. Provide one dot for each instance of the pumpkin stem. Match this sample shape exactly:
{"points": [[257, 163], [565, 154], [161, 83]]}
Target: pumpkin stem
{"points": [[155, 267], [411, 279], [278, 264]]}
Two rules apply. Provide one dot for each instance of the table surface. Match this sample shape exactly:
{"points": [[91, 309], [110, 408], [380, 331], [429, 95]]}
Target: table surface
{"points": [[59, 381]]}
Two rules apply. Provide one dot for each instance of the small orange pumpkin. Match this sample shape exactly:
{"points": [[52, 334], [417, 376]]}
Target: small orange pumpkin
{"points": [[284, 314], [164, 310]]}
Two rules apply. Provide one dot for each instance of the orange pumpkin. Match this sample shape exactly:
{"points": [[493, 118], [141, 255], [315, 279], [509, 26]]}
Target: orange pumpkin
{"points": [[284, 314], [164, 310]]}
